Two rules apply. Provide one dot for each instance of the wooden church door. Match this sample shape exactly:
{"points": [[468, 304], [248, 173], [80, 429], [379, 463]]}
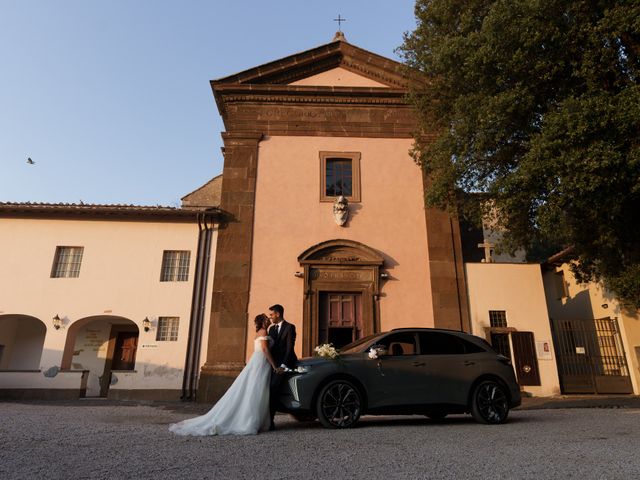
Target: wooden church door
{"points": [[340, 318]]}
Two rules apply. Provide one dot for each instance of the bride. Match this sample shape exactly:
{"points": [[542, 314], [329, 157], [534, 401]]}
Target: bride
{"points": [[244, 408]]}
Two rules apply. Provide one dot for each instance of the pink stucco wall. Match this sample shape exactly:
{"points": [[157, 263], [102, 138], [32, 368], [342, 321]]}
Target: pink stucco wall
{"points": [[289, 218], [339, 77]]}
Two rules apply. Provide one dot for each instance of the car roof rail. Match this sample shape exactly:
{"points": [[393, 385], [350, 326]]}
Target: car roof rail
{"points": [[429, 328]]}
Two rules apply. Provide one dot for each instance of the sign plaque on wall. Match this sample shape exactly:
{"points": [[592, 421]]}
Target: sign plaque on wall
{"points": [[93, 340], [543, 348]]}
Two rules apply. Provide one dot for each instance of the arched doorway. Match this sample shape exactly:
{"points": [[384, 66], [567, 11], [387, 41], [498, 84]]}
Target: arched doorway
{"points": [[100, 344], [21, 342], [341, 293]]}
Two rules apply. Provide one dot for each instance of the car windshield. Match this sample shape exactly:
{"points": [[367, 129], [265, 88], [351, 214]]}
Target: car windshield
{"points": [[355, 346]]}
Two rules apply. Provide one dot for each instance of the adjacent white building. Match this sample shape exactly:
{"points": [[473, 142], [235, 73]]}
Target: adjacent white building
{"points": [[101, 300], [508, 308]]}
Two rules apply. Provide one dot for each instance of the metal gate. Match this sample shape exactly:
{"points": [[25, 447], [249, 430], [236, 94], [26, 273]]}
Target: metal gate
{"points": [[591, 356]]}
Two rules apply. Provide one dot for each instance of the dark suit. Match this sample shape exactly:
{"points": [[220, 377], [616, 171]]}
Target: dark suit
{"points": [[283, 353]]}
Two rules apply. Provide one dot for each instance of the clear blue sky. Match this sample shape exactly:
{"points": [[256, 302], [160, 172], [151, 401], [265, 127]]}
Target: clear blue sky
{"points": [[112, 101]]}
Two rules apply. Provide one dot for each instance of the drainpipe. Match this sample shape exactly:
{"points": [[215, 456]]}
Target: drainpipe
{"points": [[206, 262], [198, 301]]}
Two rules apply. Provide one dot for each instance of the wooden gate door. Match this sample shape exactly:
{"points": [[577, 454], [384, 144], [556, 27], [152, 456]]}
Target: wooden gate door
{"points": [[340, 318], [525, 358], [590, 356], [121, 354], [124, 356]]}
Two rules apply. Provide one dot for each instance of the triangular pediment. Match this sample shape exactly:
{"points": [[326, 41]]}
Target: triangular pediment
{"points": [[338, 61]]}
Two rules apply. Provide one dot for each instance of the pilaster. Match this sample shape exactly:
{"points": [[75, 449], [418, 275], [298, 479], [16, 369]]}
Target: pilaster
{"points": [[446, 269], [226, 346]]}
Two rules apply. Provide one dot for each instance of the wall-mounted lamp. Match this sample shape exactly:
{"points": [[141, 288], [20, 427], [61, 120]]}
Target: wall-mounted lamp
{"points": [[57, 322], [384, 275], [146, 324], [298, 274]]}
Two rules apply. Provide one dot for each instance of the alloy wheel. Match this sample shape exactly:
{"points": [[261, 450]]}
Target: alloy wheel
{"points": [[339, 405], [490, 403]]}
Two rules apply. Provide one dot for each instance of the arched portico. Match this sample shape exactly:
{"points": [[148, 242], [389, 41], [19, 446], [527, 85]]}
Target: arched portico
{"points": [[100, 344], [341, 292], [21, 342]]}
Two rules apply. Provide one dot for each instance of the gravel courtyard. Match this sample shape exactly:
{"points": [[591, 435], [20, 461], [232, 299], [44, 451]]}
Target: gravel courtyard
{"points": [[92, 440]]}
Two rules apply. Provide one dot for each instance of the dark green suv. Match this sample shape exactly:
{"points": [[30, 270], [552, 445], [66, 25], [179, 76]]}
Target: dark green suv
{"points": [[406, 371]]}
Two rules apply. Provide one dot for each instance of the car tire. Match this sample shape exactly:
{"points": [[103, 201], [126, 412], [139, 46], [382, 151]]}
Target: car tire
{"points": [[436, 414], [339, 404], [489, 403]]}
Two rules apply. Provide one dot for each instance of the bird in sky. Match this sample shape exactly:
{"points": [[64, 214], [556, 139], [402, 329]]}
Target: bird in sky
{"points": [[30, 162]]}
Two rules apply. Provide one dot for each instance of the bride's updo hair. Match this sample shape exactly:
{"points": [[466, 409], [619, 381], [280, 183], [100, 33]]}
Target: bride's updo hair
{"points": [[260, 321]]}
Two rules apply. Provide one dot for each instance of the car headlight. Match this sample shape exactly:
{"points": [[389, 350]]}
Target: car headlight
{"points": [[301, 369], [293, 386]]}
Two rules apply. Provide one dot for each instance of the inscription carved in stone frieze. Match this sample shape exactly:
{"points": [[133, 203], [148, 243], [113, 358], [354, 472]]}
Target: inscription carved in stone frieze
{"points": [[340, 259], [341, 275]]}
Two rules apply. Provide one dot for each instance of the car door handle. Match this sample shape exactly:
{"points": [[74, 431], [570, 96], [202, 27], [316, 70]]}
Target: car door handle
{"points": [[468, 363], [418, 364]]}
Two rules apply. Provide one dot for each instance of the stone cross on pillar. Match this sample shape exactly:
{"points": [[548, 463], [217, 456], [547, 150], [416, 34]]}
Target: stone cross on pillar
{"points": [[488, 251]]}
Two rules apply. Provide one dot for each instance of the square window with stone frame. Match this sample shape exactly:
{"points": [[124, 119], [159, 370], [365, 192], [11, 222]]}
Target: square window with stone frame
{"points": [[498, 318], [167, 329], [339, 176], [175, 266], [66, 262]]}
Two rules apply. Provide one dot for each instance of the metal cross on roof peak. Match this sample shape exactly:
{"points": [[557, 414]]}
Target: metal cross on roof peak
{"points": [[339, 20]]}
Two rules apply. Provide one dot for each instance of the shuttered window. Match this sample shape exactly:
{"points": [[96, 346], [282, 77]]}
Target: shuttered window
{"points": [[175, 266], [66, 263]]}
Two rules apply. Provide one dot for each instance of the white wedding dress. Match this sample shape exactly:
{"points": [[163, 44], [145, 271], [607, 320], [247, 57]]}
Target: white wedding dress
{"points": [[244, 408]]}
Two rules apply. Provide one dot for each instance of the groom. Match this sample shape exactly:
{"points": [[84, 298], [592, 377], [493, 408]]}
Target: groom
{"points": [[283, 334]]}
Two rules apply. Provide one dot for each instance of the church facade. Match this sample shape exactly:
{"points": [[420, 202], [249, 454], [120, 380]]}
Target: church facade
{"points": [[303, 132]]}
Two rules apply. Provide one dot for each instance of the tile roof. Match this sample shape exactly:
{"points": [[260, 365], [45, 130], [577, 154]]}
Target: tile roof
{"points": [[33, 209]]}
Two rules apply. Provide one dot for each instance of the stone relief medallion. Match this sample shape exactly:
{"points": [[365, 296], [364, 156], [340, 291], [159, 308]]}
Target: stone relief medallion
{"points": [[341, 210]]}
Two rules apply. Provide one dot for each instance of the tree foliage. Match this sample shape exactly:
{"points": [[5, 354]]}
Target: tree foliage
{"points": [[537, 104]]}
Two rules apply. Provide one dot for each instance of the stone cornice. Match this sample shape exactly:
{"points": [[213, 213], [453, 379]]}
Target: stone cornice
{"points": [[226, 94], [315, 110], [308, 90], [310, 100]]}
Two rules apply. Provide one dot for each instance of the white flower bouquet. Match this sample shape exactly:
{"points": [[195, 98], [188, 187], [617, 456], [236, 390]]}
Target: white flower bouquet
{"points": [[326, 350], [376, 351]]}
